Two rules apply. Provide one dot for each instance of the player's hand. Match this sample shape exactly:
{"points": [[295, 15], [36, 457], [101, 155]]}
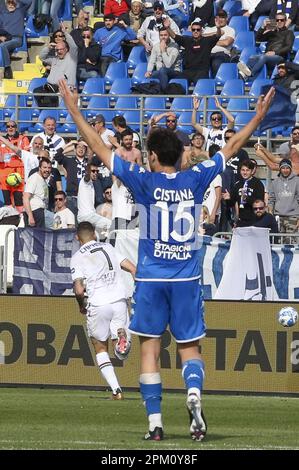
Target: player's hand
{"points": [[264, 103], [70, 95]]}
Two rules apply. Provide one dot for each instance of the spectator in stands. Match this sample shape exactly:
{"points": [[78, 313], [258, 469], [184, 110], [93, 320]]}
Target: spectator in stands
{"points": [[63, 217], [12, 15], [99, 124], [279, 41], [215, 134], [116, 7], [197, 50], [52, 141], [178, 11], [148, 34], [86, 201], [287, 74], [82, 22], [103, 181], [124, 213], [273, 161], [35, 197], [88, 56], [196, 153], [125, 149], [105, 209], [256, 8], [51, 8], [245, 191], [284, 198], [262, 217], [164, 59], [73, 159], [110, 38], [213, 195], [14, 138], [203, 9], [288, 7], [120, 125], [55, 38], [221, 51], [134, 17], [285, 149], [236, 160], [63, 65], [171, 124]]}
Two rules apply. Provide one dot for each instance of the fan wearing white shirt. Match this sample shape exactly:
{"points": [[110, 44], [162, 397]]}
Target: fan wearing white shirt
{"points": [[98, 266], [63, 217]]}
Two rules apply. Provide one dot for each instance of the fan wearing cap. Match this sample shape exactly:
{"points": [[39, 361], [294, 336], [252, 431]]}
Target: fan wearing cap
{"points": [[148, 34], [197, 51], [287, 149], [99, 124], [287, 73], [284, 197], [110, 38]]}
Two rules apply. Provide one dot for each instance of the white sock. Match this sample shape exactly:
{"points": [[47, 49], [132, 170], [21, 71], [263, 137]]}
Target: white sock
{"points": [[155, 420], [194, 390], [107, 370]]}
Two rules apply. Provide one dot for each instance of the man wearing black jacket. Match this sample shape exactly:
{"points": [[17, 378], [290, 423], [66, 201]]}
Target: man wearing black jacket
{"points": [[263, 218], [279, 44]]}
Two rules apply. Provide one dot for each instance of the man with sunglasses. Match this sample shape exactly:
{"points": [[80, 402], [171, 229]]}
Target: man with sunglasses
{"points": [[63, 217], [262, 217], [89, 52], [86, 201], [279, 41], [15, 138]]}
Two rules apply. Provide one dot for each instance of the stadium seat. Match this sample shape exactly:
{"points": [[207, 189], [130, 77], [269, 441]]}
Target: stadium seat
{"points": [[232, 8], [124, 103], [205, 86], [10, 104], [107, 113], [256, 87], [2, 121], [242, 119], [260, 22], [38, 126], [181, 81], [244, 39], [296, 45], [36, 82], [25, 118], [153, 104], [232, 87], [226, 72], [296, 58], [248, 52], [184, 122], [95, 85], [121, 86], [31, 32], [239, 23], [65, 11], [182, 103], [139, 72], [115, 70], [100, 102], [68, 126], [133, 119], [137, 55], [236, 105]]}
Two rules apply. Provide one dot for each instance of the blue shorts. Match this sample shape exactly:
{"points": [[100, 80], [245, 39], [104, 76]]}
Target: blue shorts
{"points": [[177, 304]]}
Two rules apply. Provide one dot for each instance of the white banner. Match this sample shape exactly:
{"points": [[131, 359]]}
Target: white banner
{"points": [[248, 273]]}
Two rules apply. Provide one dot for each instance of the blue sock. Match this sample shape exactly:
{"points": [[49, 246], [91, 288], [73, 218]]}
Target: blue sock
{"points": [[152, 396], [193, 373]]}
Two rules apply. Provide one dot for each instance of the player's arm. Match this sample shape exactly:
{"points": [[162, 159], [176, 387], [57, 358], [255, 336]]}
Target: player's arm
{"points": [[78, 288], [238, 140], [90, 136], [126, 265]]}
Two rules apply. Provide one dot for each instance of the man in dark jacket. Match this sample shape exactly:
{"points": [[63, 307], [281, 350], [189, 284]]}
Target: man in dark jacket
{"points": [[262, 217], [279, 44], [88, 56]]}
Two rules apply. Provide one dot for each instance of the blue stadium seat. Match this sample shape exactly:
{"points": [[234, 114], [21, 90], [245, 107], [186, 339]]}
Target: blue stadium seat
{"points": [[10, 104], [25, 118], [133, 119], [248, 52], [153, 105], [182, 103], [68, 126], [115, 70], [260, 22], [226, 72], [100, 102], [136, 56], [205, 86], [36, 82], [242, 119], [2, 121], [181, 81], [232, 87], [138, 75], [121, 86], [255, 90], [296, 45], [1, 59], [184, 122], [95, 85], [30, 30], [107, 113], [124, 103], [38, 126], [236, 105], [232, 8], [24, 46], [65, 11], [296, 58], [244, 39], [239, 23]]}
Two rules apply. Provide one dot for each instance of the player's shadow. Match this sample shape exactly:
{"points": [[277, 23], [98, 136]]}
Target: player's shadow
{"points": [[210, 437]]}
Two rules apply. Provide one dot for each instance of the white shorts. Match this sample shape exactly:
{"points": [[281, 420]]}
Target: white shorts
{"points": [[104, 321]]}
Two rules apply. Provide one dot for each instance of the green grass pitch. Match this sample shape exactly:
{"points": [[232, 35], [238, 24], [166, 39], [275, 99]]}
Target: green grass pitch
{"points": [[72, 419]]}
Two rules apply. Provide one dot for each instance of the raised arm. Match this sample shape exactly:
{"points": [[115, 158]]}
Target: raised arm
{"points": [[12, 147], [229, 116], [91, 137], [271, 160], [195, 124], [238, 140]]}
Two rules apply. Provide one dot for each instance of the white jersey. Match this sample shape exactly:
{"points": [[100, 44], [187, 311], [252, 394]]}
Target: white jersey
{"points": [[99, 265]]}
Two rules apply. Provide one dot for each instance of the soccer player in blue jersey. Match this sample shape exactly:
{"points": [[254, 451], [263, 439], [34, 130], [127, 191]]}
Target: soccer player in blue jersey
{"points": [[168, 290]]}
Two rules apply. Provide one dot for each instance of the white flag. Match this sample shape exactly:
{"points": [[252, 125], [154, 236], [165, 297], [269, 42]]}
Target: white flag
{"points": [[248, 273]]}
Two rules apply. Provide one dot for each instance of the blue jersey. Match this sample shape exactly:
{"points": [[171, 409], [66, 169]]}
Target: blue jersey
{"points": [[169, 208]]}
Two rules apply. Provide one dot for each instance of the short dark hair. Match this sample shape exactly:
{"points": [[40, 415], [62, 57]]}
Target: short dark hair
{"points": [[166, 145], [44, 160], [248, 164], [85, 227], [214, 148], [60, 193], [126, 132], [119, 121], [216, 113]]}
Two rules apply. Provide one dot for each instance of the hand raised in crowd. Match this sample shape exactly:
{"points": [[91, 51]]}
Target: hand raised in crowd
{"points": [[196, 102], [217, 102]]}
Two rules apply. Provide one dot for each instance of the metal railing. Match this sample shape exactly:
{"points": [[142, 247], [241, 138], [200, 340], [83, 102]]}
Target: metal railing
{"points": [[275, 238]]}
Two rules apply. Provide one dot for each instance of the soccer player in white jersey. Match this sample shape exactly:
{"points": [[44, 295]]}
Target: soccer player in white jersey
{"points": [[98, 265], [168, 290]]}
